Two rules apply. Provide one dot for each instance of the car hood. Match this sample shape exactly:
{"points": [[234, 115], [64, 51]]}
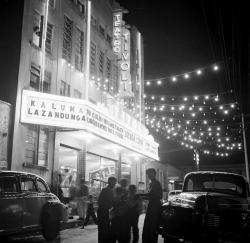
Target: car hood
{"points": [[215, 201]]}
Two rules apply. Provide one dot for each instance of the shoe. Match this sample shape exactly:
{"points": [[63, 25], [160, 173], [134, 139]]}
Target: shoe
{"points": [[82, 227]]}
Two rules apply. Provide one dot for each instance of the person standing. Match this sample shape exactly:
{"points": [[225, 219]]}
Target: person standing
{"points": [[105, 203], [135, 209], [90, 211], [81, 195], [149, 233]]}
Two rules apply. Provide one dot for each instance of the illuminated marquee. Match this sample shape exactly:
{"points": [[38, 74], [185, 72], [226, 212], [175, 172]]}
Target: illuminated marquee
{"points": [[117, 32], [55, 110]]}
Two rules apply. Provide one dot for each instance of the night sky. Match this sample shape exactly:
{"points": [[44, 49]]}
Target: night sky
{"points": [[180, 36]]}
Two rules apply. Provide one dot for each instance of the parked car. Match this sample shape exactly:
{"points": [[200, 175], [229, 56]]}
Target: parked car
{"points": [[212, 206], [172, 194], [26, 204]]}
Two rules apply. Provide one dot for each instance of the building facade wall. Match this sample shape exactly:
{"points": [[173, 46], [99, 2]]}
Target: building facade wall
{"points": [[42, 146]]}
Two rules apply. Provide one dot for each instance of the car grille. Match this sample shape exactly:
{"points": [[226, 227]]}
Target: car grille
{"points": [[213, 220]]}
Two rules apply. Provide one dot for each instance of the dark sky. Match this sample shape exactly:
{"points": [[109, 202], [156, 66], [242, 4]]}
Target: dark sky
{"points": [[180, 36]]}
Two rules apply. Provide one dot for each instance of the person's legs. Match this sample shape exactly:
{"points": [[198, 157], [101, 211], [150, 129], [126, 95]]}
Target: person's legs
{"points": [[87, 218], [135, 228], [103, 226]]}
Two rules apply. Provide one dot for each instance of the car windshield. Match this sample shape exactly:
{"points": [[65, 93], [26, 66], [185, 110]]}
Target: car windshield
{"points": [[224, 183]]}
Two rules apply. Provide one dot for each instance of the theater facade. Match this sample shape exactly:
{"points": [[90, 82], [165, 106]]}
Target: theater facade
{"points": [[79, 107]]}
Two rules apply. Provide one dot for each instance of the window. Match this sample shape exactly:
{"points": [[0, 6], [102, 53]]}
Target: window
{"points": [[64, 89], [93, 21], [108, 69], [81, 6], [92, 57], [35, 77], [43, 147], [47, 82], [101, 61], [27, 184], [109, 40], [77, 94], [79, 50], [101, 30], [49, 36], [36, 137], [37, 29], [41, 186], [52, 3], [31, 144], [67, 38], [8, 184]]}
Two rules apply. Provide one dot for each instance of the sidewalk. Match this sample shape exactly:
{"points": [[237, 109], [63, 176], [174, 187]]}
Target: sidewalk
{"points": [[74, 233]]}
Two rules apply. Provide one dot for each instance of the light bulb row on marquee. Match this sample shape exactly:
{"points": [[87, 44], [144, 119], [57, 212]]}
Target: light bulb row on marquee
{"points": [[183, 76]]}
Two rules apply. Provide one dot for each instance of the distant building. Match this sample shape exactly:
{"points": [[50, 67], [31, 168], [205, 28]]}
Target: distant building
{"points": [[74, 72]]}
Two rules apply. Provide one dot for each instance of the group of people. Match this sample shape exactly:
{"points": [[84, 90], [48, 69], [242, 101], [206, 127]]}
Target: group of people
{"points": [[119, 208]]}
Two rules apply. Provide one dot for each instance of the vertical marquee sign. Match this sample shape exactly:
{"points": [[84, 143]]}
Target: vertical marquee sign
{"points": [[121, 47]]}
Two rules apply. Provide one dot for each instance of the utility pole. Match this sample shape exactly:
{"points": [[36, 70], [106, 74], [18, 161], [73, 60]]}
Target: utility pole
{"points": [[245, 145]]}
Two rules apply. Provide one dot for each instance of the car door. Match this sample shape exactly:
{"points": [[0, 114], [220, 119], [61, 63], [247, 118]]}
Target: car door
{"points": [[43, 193], [11, 210], [31, 211]]}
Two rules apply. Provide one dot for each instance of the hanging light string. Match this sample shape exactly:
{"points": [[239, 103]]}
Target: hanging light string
{"points": [[190, 141], [186, 75]]}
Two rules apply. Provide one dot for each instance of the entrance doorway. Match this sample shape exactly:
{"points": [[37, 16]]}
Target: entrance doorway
{"points": [[68, 161]]}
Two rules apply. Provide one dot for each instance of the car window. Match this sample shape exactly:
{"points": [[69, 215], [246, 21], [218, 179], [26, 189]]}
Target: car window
{"points": [[41, 186], [8, 184], [27, 184]]}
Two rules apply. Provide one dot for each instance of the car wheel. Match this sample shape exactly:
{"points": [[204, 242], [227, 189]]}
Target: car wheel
{"points": [[50, 225]]}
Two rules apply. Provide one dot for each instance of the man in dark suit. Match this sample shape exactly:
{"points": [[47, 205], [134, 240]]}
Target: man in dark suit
{"points": [[105, 203], [149, 234]]}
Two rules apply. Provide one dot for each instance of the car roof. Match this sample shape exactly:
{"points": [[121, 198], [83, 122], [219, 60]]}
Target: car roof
{"points": [[213, 173], [11, 172]]}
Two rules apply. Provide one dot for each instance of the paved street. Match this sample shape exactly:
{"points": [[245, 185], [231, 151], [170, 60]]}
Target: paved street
{"points": [[76, 235]]}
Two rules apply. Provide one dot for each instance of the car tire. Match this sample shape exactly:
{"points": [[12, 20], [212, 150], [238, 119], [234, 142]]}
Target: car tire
{"points": [[50, 225]]}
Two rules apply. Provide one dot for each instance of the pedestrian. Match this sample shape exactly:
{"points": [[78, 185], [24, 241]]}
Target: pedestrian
{"points": [[149, 233], [81, 196], [135, 209], [90, 211], [105, 203], [120, 224], [124, 186]]}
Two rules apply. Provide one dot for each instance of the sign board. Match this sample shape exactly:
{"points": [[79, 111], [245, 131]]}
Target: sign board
{"points": [[60, 111], [5, 110]]}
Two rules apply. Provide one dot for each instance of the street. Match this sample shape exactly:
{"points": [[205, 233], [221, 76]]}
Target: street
{"points": [[88, 235]]}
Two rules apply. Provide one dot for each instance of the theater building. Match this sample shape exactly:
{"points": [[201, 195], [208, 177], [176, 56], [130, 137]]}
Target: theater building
{"points": [[75, 70]]}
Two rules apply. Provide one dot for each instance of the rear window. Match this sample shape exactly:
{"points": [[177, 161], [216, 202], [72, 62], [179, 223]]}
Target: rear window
{"points": [[28, 184], [8, 184]]}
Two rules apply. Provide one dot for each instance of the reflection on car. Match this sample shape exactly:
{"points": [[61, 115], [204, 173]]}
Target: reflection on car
{"points": [[172, 194], [26, 204], [212, 206]]}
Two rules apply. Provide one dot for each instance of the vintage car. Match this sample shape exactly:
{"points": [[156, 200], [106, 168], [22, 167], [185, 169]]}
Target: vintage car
{"points": [[212, 207], [172, 194], [27, 205]]}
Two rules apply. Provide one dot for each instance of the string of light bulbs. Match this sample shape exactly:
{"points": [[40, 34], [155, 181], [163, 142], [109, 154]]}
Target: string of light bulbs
{"points": [[183, 76]]}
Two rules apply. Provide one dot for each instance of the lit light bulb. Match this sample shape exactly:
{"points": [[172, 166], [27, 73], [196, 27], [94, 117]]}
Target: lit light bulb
{"points": [[193, 114], [172, 108], [232, 105], [159, 82], [206, 97], [215, 67], [199, 72], [162, 98], [152, 97], [186, 76], [196, 97], [185, 98], [148, 83], [226, 112], [174, 79]]}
